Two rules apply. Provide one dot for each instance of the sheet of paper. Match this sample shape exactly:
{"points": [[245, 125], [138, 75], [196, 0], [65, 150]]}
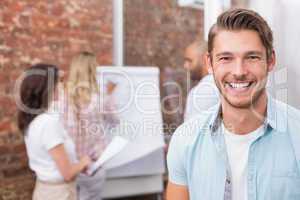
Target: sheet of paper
{"points": [[114, 147], [150, 164], [137, 99]]}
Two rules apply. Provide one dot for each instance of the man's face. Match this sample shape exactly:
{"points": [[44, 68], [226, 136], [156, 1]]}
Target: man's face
{"points": [[240, 67], [193, 62]]}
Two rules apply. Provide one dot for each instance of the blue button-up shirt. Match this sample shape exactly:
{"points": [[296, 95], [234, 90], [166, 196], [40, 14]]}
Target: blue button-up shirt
{"points": [[197, 157]]}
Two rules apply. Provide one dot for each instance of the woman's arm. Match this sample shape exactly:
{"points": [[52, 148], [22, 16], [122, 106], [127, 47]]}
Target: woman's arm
{"points": [[67, 169]]}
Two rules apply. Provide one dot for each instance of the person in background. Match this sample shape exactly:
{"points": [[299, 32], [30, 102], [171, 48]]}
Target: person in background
{"points": [[88, 119], [248, 146], [205, 94], [50, 150]]}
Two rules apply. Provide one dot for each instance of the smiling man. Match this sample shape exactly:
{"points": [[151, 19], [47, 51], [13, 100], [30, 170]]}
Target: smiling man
{"points": [[248, 147]]}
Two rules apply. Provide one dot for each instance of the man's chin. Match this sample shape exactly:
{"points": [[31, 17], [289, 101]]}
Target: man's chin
{"points": [[239, 103], [245, 101]]}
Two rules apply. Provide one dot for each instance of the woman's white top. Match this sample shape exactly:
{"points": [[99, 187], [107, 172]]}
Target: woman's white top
{"points": [[44, 133]]}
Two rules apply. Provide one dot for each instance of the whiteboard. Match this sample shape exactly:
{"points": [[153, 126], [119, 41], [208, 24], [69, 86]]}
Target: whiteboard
{"points": [[137, 99]]}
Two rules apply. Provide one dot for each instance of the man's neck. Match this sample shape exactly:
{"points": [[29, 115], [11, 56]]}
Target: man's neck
{"points": [[244, 120]]}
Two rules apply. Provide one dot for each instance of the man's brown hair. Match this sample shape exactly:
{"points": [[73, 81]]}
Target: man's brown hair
{"points": [[242, 19]]}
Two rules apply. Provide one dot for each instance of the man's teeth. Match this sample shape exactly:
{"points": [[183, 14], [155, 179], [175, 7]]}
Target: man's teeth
{"points": [[239, 85]]}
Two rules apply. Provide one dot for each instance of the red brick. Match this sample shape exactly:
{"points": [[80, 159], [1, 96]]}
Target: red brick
{"points": [[3, 78], [57, 10], [5, 125], [52, 23], [16, 7], [19, 148], [15, 171], [64, 23], [4, 149], [15, 74], [7, 18]]}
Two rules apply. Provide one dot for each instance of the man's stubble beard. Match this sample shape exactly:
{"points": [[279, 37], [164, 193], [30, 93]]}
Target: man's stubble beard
{"points": [[259, 91], [197, 74]]}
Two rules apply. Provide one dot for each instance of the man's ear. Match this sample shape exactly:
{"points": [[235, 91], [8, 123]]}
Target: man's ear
{"points": [[272, 61], [208, 62]]}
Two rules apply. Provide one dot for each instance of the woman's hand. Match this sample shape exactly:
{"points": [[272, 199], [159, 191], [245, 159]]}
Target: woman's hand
{"points": [[68, 169], [110, 87], [85, 161]]}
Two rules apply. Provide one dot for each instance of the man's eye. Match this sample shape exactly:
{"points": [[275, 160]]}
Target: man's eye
{"points": [[253, 57], [225, 58]]}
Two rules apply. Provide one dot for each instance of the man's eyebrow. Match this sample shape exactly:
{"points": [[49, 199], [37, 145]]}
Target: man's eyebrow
{"points": [[247, 53], [223, 54], [254, 52]]}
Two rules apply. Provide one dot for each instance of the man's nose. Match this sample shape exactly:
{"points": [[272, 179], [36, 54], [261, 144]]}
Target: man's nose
{"points": [[239, 68]]}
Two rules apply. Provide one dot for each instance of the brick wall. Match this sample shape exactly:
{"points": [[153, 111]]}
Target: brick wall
{"points": [[156, 34], [34, 31]]}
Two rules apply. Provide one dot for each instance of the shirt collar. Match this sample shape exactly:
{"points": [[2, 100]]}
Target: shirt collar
{"points": [[277, 115], [272, 119]]}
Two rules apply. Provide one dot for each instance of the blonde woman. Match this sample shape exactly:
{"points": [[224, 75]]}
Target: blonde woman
{"points": [[85, 121], [50, 150]]}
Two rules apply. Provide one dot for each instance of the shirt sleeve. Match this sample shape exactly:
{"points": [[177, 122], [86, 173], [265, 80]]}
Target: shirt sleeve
{"points": [[176, 158], [52, 133], [204, 96], [188, 107]]}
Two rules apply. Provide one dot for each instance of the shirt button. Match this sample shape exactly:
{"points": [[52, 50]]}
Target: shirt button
{"points": [[228, 181]]}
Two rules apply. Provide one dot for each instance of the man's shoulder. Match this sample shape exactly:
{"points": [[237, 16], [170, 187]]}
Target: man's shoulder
{"points": [[293, 112], [285, 117], [285, 110], [289, 118]]}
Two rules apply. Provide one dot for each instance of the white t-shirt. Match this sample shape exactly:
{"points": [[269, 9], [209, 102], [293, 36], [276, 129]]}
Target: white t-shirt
{"points": [[203, 96], [238, 150], [44, 133]]}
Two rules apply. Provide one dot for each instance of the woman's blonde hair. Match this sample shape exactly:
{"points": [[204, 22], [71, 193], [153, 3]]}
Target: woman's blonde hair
{"points": [[82, 82]]}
